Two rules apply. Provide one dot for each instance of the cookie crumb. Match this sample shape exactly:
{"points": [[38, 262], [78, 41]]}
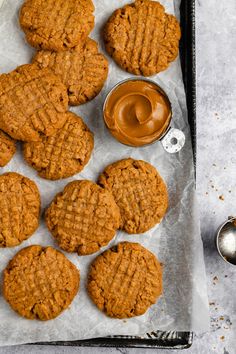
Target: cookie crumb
{"points": [[221, 197], [222, 337]]}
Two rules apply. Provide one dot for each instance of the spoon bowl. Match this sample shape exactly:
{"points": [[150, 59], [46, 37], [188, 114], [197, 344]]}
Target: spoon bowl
{"points": [[226, 241]]}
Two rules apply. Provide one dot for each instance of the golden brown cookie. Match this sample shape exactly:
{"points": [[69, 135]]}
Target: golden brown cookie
{"points": [[139, 192], [142, 38], [83, 218], [40, 283], [7, 149], [63, 154], [33, 102], [19, 209], [82, 69], [125, 280], [56, 24]]}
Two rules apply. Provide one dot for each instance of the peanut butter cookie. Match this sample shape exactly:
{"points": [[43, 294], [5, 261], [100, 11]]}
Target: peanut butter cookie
{"points": [[139, 192], [142, 38], [40, 282], [19, 209], [83, 218], [56, 24], [33, 102], [125, 280], [82, 69], [7, 149], [63, 154]]}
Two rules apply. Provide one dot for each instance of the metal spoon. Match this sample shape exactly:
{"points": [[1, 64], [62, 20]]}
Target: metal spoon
{"points": [[226, 240]]}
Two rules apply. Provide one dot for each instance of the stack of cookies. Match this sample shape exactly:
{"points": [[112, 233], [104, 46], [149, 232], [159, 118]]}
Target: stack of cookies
{"points": [[130, 195]]}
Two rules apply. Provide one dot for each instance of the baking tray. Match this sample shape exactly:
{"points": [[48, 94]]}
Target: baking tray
{"points": [[159, 339]]}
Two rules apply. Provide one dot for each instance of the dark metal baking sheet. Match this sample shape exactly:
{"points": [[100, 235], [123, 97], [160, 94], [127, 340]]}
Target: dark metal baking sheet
{"points": [[154, 340], [159, 339], [188, 61]]}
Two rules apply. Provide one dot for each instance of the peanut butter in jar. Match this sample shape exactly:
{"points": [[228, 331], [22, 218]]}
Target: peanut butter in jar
{"points": [[137, 112]]}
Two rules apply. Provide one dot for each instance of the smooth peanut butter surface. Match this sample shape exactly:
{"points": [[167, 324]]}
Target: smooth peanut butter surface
{"points": [[137, 112]]}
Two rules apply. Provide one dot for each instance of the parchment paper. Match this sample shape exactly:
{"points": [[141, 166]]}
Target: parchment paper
{"points": [[176, 241]]}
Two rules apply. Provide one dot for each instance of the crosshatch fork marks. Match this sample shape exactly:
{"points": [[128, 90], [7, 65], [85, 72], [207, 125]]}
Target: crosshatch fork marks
{"points": [[83, 218], [56, 24], [142, 38], [82, 69], [125, 280], [64, 153], [32, 102]]}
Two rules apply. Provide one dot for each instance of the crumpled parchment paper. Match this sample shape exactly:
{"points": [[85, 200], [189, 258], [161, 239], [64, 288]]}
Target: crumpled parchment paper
{"points": [[176, 241]]}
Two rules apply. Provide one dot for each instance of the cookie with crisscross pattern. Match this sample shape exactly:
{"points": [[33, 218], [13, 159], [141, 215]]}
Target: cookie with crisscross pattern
{"points": [[7, 148], [83, 217], [33, 103], [63, 154], [40, 282], [139, 192], [142, 38], [82, 69], [56, 24], [19, 209], [125, 280]]}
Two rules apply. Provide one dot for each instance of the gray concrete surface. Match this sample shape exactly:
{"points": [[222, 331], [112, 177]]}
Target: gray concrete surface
{"points": [[216, 175]]}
